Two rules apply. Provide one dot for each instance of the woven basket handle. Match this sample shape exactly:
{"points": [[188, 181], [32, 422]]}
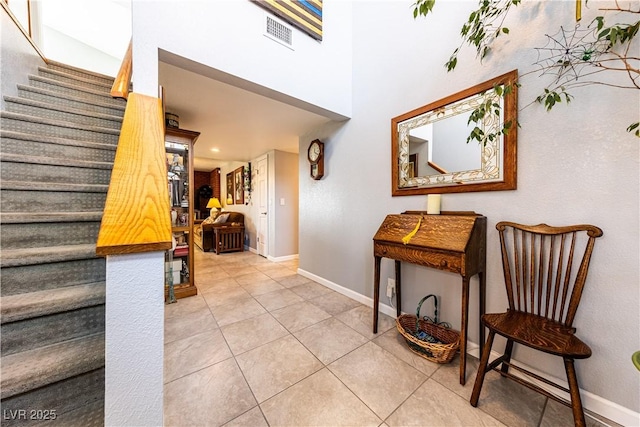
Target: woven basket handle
{"points": [[435, 309]]}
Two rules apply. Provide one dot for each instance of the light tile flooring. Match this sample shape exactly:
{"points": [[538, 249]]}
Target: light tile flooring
{"points": [[263, 346]]}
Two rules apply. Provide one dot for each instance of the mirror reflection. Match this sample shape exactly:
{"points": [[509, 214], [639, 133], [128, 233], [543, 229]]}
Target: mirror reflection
{"points": [[441, 148], [431, 150]]}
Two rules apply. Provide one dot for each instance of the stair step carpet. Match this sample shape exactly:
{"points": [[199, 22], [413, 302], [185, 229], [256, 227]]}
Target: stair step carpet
{"points": [[108, 106], [57, 128], [57, 144], [60, 379], [57, 148], [79, 72], [65, 77], [89, 94], [62, 113]]}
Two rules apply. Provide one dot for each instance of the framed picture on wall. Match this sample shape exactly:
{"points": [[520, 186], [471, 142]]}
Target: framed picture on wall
{"points": [[230, 191], [238, 185]]}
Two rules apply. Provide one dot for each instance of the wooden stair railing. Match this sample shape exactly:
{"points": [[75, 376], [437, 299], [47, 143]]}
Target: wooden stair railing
{"points": [[136, 214], [120, 88], [25, 32]]}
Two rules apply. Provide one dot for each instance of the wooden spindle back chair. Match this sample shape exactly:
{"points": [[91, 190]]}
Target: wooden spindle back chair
{"points": [[545, 269]]}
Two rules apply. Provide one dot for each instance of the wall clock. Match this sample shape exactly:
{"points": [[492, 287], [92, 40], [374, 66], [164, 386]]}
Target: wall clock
{"points": [[315, 155]]}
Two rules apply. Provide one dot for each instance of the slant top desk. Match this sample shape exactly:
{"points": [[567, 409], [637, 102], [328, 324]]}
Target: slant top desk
{"points": [[451, 241]]}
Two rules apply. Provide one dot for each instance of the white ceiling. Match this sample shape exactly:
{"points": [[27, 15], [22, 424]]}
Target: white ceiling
{"points": [[241, 124]]}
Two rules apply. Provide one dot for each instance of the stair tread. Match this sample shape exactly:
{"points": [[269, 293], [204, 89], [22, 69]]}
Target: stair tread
{"points": [[30, 256], [41, 303], [82, 70], [54, 186], [46, 70], [55, 161], [61, 108], [55, 140], [58, 123], [35, 368], [38, 217], [100, 93], [108, 103]]}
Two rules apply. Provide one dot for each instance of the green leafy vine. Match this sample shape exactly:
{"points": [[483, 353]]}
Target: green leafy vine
{"points": [[488, 107], [573, 56]]}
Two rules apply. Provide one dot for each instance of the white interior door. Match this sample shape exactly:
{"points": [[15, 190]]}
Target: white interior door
{"points": [[263, 207]]}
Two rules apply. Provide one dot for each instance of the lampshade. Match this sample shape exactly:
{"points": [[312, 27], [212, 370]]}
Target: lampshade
{"points": [[214, 203]]}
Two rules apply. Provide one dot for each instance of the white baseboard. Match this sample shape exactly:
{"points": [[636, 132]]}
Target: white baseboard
{"points": [[590, 401], [345, 291], [282, 258], [271, 258]]}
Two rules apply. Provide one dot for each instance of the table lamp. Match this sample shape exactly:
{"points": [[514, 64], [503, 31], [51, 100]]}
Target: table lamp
{"points": [[214, 203]]}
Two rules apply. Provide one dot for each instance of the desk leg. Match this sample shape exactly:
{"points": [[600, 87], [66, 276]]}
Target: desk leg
{"points": [[376, 292], [482, 296], [398, 287], [464, 328]]}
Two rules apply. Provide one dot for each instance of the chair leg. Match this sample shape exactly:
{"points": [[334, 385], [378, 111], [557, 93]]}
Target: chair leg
{"points": [[574, 391], [507, 356], [482, 369]]}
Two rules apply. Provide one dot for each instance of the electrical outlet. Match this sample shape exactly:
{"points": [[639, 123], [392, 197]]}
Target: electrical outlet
{"points": [[391, 287]]}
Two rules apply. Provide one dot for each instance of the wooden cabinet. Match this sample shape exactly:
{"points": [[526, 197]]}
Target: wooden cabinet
{"points": [[180, 178]]}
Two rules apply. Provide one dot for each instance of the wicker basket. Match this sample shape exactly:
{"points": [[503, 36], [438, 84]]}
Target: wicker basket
{"points": [[446, 341]]}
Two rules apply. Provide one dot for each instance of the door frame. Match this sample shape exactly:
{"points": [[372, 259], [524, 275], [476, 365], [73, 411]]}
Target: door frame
{"points": [[263, 222]]}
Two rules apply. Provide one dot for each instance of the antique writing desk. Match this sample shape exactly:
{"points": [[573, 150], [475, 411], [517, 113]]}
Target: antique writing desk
{"points": [[452, 241]]}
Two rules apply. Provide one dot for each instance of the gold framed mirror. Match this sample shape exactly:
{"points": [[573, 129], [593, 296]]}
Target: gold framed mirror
{"points": [[429, 148]]}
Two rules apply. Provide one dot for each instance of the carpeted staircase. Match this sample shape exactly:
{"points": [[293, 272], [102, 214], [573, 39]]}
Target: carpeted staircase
{"points": [[57, 143]]}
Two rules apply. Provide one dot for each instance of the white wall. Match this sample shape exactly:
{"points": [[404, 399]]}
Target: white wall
{"points": [[62, 48], [576, 164], [134, 339], [227, 35], [18, 57], [91, 35]]}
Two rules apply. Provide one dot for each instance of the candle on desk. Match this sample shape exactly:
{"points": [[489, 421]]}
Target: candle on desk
{"points": [[433, 204]]}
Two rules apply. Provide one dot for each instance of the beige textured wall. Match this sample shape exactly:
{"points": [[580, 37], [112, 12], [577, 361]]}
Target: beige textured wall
{"points": [[576, 164]]}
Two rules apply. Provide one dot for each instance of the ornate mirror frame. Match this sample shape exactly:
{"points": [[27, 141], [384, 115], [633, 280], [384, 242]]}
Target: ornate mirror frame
{"points": [[497, 157]]}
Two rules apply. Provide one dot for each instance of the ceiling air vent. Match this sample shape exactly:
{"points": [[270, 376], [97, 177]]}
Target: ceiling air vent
{"points": [[279, 32]]}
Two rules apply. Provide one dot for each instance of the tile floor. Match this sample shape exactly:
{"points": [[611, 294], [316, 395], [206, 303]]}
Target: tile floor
{"points": [[263, 346]]}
